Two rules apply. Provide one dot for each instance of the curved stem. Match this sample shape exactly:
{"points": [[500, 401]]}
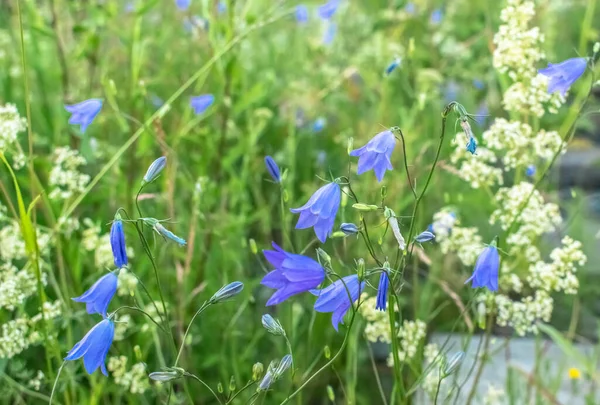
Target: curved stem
{"points": [[205, 384], [244, 388], [143, 312], [437, 391], [198, 312], [410, 183], [56, 381]]}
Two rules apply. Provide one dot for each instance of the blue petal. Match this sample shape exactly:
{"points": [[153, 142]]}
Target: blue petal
{"points": [[201, 103]]}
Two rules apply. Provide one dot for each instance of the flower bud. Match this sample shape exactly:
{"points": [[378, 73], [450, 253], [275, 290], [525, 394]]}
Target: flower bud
{"points": [[273, 169], [272, 325], [330, 394], [453, 363], [257, 370], [284, 364], [253, 247], [360, 268], [596, 48], [425, 236], [349, 228], [350, 145], [154, 170], [167, 374], [232, 384], [345, 191], [228, 291], [327, 352], [220, 388], [365, 207], [324, 256]]}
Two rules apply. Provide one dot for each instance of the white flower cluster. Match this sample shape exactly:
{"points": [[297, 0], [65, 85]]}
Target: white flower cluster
{"points": [[12, 245], [532, 96], [122, 326], [36, 382], [465, 242], [443, 222], [65, 177], [494, 396], [479, 170], [127, 283], [378, 326], [68, 226], [15, 286], [11, 124], [411, 335], [135, 380]]}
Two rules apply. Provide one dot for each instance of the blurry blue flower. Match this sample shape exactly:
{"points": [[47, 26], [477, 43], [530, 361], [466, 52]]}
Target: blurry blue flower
{"points": [[183, 4], [319, 124], [485, 273], [563, 75], [156, 101], [117, 242], [201, 103], [227, 291], [530, 170], [321, 158], [425, 236], [436, 16], [301, 14], [329, 34], [320, 211], [129, 7], [472, 146], [155, 169], [410, 8], [376, 154], [221, 7], [479, 84], [384, 282], [327, 10], [195, 21], [272, 325], [482, 114], [390, 68], [293, 274], [84, 112], [471, 142], [99, 295], [273, 169], [94, 347], [349, 229], [334, 298]]}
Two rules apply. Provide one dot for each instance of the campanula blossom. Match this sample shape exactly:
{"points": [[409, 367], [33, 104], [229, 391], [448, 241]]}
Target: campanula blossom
{"points": [[530, 171], [562, 75], [165, 233], [84, 113], [334, 298], [349, 228], [471, 142], [183, 4], [117, 242], [319, 124], [376, 154], [485, 273], [94, 347], [293, 274], [221, 7], [301, 14], [329, 34], [227, 291], [320, 211], [425, 236], [201, 103], [384, 282], [273, 169], [155, 169], [272, 325], [436, 16], [327, 10], [392, 66], [99, 295]]}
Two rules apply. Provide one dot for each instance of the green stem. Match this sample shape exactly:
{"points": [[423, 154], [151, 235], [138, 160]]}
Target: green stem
{"points": [[198, 312], [56, 381], [143, 312], [205, 384]]}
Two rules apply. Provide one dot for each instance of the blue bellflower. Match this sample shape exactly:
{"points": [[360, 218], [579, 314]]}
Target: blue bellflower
{"points": [[436, 16], [165, 233], [221, 7], [273, 169], [530, 171], [425, 236], [293, 274], [301, 14], [94, 347], [334, 298], [117, 242], [84, 113], [329, 34], [201, 103], [384, 282], [376, 154], [349, 228], [563, 75], [319, 124], [392, 66], [485, 273], [410, 8], [327, 10], [155, 169], [99, 295], [183, 4], [320, 211]]}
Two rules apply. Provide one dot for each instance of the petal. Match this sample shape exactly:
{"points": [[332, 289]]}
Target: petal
{"points": [[306, 220], [366, 162], [314, 198], [274, 279]]}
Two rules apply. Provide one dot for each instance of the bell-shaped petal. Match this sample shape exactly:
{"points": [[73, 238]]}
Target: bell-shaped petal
{"points": [[183, 4], [273, 169], [425, 236], [486, 269], [327, 10], [84, 113], [320, 211], [384, 282], [301, 14], [376, 154], [335, 298], [99, 295], [155, 169], [201, 103], [94, 346], [562, 75], [117, 242]]}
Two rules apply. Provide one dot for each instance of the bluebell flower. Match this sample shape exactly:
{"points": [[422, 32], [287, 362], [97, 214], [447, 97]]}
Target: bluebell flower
{"points": [[349, 228], [563, 75], [471, 142], [425, 236], [293, 274], [530, 170], [392, 66], [334, 298], [155, 169], [329, 34], [84, 112], [410, 8], [201, 103], [327, 10], [320, 211], [183, 4], [472, 146], [436, 16], [485, 273], [227, 291], [273, 169], [99, 295], [94, 347], [221, 7], [165, 233], [376, 154], [384, 282], [301, 14], [117, 242], [319, 124]]}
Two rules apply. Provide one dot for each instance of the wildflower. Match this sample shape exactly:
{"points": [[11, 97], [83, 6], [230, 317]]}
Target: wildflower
{"points": [[284, 364], [320, 211], [301, 14], [84, 112], [162, 231], [471, 142], [436, 16], [319, 124], [183, 4], [272, 325], [349, 229], [268, 379], [168, 374], [563, 75], [273, 169], [154, 169], [485, 273], [393, 223], [227, 291], [329, 34], [453, 363], [327, 10], [392, 66], [293, 274], [117, 242], [530, 171], [479, 84], [257, 370], [574, 373], [99, 295], [384, 282], [334, 298], [425, 236], [376, 154], [201, 103], [410, 8], [94, 347]]}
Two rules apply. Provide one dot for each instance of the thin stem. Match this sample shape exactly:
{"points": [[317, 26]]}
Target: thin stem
{"points": [[56, 381], [205, 384], [143, 312], [375, 372], [479, 373], [410, 183], [437, 390], [244, 388], [198, 312]]}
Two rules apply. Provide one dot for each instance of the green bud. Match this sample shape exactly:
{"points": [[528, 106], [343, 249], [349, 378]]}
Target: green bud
{"points": [[253, 247], [324, 256], [286, 197], [330, 394], [360, 268], [365, 207], [138, 352], [350, 145], [220, 388], [383, 192], [232, 384], [327, 352], [596, 47], [257, 370], [112, 87], [481, 313], [338, 234], [345, 192]]}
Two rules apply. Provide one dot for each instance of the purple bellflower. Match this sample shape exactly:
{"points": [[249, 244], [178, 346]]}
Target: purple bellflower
{"points": [[485, 273], [273, 169], [562, 75], [84, 113], [117, 242], [183, 4], [301, 14], [293, 274], [530, 171], [320, 211], [319, 124], [94, 347], [201, 103], [99, 295], [384, 282], [334, 298], [425, 236], [327, 10], [376, 154], [436, 16]]}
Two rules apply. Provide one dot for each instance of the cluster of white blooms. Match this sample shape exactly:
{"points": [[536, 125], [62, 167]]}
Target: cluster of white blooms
{"points": [[15, 286], [127, 283], [65, 177], [135, 380], [479, 170], [494, 396], [36, 382], [433, 358], [12, 245], [532, 97], [521, 315], [68, 225], [443, 222], [11, 124], [121, 327], [411, 335], [378, 326], [465, 242]]}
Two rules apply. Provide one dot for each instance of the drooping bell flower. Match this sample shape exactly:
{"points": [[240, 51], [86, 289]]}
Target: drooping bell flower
{"points": [[98, 296], [384, 282], [486, 269], [301, 14], [376, 154], [562, 75], [327, 10], [320, 211], [334, 298], [273, 169], [201, 103], [84, 113], [117, 242], [94, 347]]}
